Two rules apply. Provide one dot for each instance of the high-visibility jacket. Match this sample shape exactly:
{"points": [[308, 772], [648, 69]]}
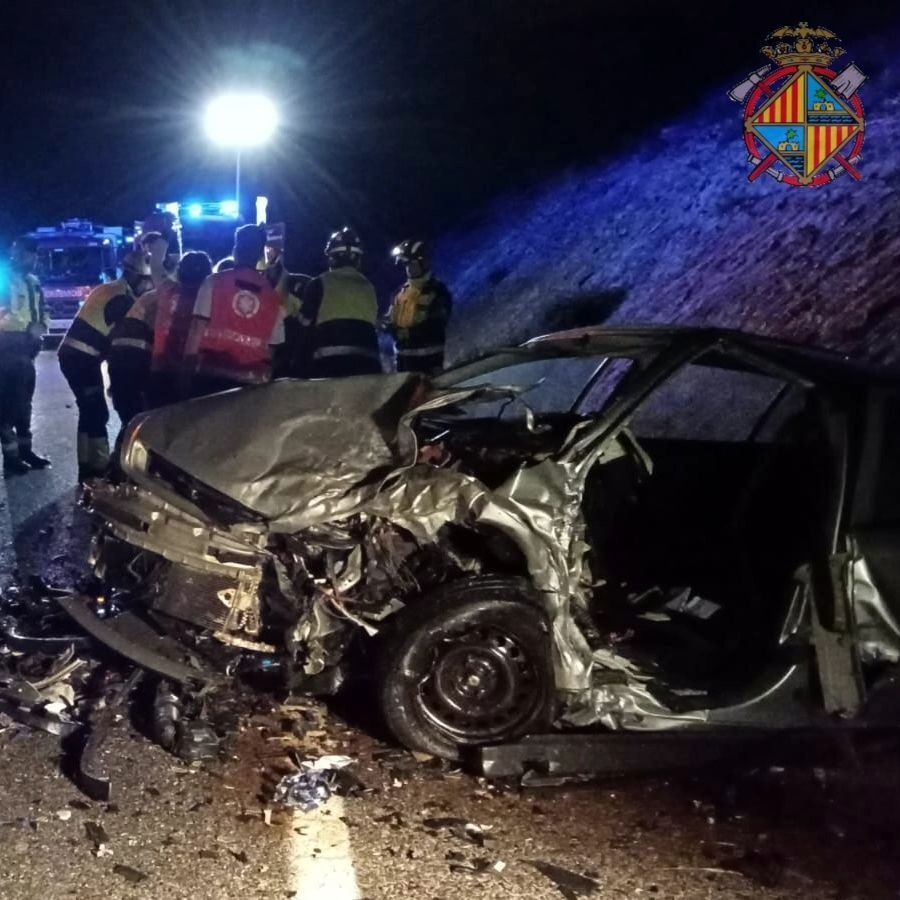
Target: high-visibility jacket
{"points": [[419, 315], [134, 332], [171, 327], [104, 307], [290, 288], [342, 309], [244, 311], [23, 314]]}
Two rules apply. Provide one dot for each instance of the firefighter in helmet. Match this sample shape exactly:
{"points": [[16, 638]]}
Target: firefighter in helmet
{"points": [[420, 312], [340, 309]]}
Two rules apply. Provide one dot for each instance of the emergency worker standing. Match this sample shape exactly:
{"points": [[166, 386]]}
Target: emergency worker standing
{"points": [[128, 360], [174, 314], [156, 246], [420, 312], [81, 355], [289, 285], [340, 310], [147, 347], [237, 320], [23, 322]]}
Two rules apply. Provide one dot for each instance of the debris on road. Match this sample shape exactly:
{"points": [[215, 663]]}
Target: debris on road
{"points": [[131, 875], [477, 866], [96, 835], [311, 787], [470, 832], [570, 884]]}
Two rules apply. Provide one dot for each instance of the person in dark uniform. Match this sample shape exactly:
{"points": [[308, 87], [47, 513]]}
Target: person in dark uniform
{"points": [[420, 312], [339, 309], [81, 355], [23, 322]]}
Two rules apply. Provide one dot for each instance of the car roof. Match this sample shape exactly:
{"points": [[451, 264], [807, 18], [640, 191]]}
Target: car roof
{"points": [[815, 363]]}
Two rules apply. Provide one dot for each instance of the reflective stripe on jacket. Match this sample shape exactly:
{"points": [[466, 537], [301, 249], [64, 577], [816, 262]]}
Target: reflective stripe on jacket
{"points": [[134, 332], [342, 309], [22, 306], [244, 312], [105, 305]]}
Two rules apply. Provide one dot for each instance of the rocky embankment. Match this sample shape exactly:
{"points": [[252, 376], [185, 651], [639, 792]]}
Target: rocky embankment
{"points": [[673, 231]]}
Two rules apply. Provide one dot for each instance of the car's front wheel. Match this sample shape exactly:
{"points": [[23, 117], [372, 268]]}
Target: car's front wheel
{"points": [[468, 664]]}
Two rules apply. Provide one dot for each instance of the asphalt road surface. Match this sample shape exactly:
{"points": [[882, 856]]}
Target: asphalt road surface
{"points": [[827, 829]]}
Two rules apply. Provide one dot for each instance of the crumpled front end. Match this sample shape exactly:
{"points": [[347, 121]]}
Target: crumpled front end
{"points": [[181, 565], [305, 540]]}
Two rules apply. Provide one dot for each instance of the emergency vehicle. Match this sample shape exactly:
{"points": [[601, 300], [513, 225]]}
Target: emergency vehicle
{"points": [[72, 260], [201, 225]]}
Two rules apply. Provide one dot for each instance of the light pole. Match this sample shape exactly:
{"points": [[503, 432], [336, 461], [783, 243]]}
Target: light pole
{"points": [[240, 121]]}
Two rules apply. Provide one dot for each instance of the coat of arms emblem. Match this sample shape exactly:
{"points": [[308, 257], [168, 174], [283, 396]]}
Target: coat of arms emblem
{"points": [[804, 123]]}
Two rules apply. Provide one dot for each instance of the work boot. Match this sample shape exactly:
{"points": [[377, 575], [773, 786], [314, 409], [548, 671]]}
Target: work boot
{"points": [[12, 465], [33, 460]]}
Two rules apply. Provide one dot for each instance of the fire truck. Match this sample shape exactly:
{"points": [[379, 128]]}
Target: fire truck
{"points": [[72, 260]]}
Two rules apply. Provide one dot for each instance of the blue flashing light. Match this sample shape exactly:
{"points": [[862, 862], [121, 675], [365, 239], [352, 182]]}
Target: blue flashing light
{"points": [[195, 210], [229, 208]]}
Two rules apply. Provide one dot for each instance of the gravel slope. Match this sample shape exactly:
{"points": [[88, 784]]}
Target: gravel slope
{"points": [[674, 232]]}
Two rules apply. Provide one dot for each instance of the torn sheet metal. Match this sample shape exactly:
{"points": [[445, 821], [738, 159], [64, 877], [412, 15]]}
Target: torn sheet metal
{"points": [[304, 445], [878, 629], [320, 452]]}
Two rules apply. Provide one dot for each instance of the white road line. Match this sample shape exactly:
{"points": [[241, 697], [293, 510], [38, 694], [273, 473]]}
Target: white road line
{"points": [[321, 857]]}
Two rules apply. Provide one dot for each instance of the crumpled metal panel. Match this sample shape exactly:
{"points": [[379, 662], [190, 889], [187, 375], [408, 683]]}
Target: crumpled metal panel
{"points": [[319, 451], [292, 451], [877, 628]]}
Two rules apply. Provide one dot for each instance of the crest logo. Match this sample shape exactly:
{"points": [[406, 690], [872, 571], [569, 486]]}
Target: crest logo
{"points": [[804, 124], [245, 304]]}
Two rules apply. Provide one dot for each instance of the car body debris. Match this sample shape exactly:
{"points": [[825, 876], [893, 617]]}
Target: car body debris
{"points": [[130, 874], [571, 885], [311, 787], [97, 836], [470, 832]]}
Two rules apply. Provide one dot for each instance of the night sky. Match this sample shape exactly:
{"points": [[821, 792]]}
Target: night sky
{"points": [[399, 116]]}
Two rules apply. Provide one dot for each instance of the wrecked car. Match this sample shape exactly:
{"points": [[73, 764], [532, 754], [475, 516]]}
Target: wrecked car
{"points": [[634, 530]]}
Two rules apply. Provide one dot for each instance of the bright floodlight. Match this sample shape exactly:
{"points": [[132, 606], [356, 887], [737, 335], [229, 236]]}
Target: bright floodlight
{"points": [[240, 120], [229, 208]]}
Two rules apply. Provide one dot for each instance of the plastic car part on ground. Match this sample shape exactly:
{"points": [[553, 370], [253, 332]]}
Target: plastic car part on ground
{"points": [[57, 680], [311, 787]]}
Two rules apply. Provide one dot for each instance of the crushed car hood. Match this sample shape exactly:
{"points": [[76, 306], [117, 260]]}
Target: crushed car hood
{"points": [[305, 453], [286, 450]]}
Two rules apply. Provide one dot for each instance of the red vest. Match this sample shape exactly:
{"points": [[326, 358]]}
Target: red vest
{"points": [[235, 345], [170, 331]]}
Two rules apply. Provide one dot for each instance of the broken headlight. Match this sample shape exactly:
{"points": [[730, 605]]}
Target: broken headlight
{"points": [[135, 455]]}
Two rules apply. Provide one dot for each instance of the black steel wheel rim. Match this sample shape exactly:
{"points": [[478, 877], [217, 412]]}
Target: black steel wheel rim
{"points": [[481, 684]]}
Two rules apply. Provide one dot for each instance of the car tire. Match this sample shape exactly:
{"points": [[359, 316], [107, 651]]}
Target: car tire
{"points": [[467, 664]]}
